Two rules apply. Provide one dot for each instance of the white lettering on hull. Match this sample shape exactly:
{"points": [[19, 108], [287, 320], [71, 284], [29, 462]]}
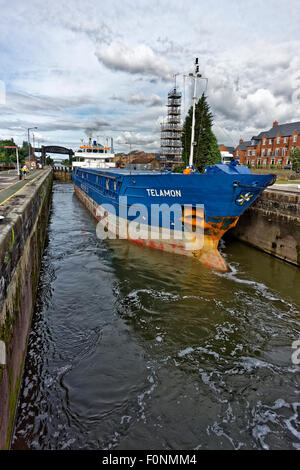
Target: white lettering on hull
{"points": [[164, 192]]}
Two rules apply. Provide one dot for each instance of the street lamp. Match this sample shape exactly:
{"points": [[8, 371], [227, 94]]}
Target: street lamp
{"points": [[29, 129]]}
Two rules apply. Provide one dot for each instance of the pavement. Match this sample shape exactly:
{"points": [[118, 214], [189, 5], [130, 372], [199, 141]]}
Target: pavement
{"points": [[7, 178], [10, 183], [290, 187]]}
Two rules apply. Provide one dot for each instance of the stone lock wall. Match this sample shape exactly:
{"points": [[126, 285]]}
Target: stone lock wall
{"points": [[272, 224], [22, 235]]}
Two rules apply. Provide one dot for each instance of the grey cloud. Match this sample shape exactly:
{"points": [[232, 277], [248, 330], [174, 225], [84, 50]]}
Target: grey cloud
{"points": [[155, 100], [88, 126], [139, 59], [131, 99], [18, 102], [139, 98]]}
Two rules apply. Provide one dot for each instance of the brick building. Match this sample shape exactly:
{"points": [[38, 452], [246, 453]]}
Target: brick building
{"points": [[226, 153], [270, 147]]}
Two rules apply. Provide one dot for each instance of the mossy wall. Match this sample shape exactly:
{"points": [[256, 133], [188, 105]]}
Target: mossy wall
{"points": [[272, 224], [21, 247]]}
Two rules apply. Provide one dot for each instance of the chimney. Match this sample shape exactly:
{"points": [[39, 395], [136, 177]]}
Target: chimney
{"points": [[275, 123], [241, 141]]}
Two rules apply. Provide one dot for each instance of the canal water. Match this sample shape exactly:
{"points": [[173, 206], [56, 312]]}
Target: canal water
{"points": [[132, 348]]}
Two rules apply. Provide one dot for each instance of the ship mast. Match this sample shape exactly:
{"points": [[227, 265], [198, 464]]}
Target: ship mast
{"points": [[194, 76]]}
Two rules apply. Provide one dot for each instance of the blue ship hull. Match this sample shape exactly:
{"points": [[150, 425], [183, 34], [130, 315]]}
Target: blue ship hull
{"points": [[225, 191]]}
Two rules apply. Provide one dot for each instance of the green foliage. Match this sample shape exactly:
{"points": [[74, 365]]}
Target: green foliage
{"points": [[9, 155], [67, 161], [23, 152], [179, 168], [295, 159], [206, 150], [49, 160]]}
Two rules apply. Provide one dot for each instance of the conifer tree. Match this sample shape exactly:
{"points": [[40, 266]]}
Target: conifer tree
{"points": [[206, 150]]}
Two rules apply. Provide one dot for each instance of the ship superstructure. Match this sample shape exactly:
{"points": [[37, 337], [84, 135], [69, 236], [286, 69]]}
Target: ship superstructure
{"points": [[94, 155]]}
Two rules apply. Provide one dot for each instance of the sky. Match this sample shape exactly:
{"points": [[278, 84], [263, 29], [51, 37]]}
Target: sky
{"points": [[95, 68]]}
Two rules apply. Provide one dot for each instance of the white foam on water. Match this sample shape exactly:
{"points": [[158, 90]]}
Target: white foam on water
{"points": [[258, 286], [126, 419], [147, 393], [260, 432], [167, 296], [219, 431], [185, 351]]}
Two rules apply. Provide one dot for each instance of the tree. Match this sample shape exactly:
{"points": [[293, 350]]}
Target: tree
{"points": [[23, 151], [49, 160], [7, 155], [206, 150], [295, 159]]}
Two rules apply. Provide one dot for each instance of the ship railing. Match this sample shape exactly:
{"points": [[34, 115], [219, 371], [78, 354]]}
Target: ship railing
{"points": [[171, 126], [174, 93], [174, 102]]}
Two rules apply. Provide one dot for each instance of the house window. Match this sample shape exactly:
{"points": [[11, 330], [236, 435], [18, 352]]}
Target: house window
{"points": [[278, 140], [264, 142], [269, 152], [272, 161], [285, 140], [276, 152], [263, 153], [249, 153], [270, 141], [237, 153], [283, 152], [265, 162], [253, 153], [259, 161], [295, 138]]}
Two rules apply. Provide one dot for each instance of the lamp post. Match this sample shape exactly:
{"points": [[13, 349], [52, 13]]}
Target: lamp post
{"points": [[29, 129]]}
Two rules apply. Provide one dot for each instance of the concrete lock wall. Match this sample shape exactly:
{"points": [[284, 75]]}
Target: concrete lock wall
{"points": [[272, 224], [22, 235], [62, 174]]}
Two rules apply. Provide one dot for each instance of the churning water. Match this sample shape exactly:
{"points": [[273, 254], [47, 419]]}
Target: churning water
{"points": [[132, 348]]}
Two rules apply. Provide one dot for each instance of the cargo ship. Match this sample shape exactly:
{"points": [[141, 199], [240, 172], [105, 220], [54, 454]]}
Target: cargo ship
{"points": [[186, 213], [222, 194]]}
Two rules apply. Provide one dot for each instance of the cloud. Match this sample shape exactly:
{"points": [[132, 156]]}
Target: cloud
{"points": [[139, 98], [88, 126], [62, 66], [139, 59], [137, 139], [155, 100], [19, 102], [95, 30]]}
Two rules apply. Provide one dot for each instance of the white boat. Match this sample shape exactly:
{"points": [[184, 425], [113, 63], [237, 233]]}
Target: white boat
{"points": [[94, 155]]}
